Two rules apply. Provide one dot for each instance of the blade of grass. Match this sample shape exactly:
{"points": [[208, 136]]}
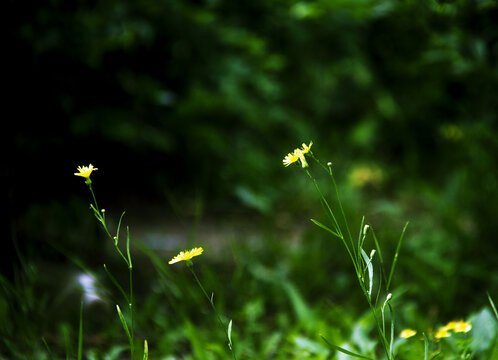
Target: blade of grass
{"points": [[345, 351], [67, 341], [395, 260], [47, 346], [146, 350], [426, 347], [493, 305], [80, 334]]}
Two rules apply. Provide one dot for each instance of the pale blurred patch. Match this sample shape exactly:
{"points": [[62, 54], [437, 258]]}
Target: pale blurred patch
{"points": [[366, 175]]}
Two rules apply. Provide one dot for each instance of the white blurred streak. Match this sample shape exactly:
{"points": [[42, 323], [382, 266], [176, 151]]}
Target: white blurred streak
{"points": [[87, 283]]}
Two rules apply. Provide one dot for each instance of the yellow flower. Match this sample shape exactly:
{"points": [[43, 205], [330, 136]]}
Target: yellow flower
{"points": [[407, 333], [306, 148], [186, 255], [85, 171], [459, 326], [291, 158], [442, 333], [298, 154]]}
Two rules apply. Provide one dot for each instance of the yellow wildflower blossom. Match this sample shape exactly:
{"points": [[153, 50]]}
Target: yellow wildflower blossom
{"points": [[459, 326], [306, 148], [291, 158], [186, 255], [442, 333], [298, 154], [85, 171], [407, 333]]}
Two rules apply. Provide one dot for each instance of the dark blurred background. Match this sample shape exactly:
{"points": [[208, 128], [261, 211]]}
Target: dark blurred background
{"points": [[188, 107]]}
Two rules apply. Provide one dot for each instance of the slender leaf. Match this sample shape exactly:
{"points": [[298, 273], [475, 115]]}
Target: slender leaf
{"points": [[369, 267], [345, 351], [146, 350], [46, 345], [128, 247], [391, 273], [229, 334], [123, 322], [493, 306], [119, 227], [316, 222]]}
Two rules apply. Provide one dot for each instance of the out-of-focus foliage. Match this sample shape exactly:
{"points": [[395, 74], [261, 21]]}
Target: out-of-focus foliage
{"points": [[217, 92]]}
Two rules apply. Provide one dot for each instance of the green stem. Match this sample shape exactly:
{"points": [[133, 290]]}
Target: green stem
{"points": [[93, 195], [338, 229], [325, 204], [130, 304], [190, 265], [342, 210]]}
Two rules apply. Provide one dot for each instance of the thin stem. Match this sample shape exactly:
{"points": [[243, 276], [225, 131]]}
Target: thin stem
{"points": [[342, 209], [94, 198], [325, 204], [132, 317], [337, 226], [191, 268], [353, 252], [130, 304], [127, 259]]}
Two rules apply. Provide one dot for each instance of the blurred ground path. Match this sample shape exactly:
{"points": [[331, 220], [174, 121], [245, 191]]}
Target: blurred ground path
{"points": [[163, 233]]}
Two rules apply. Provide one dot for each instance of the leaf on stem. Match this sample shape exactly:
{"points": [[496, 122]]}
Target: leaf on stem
{"points": [[396, 257], [128, 247], [229, 334], [116, 238], [345, 351], [316, 222], [123, 322], [368, 262]]}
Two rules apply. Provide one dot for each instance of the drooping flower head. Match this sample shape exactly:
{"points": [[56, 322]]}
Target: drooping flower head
{"points": [[186, 255], [407, 333], [306, 148], [290, 158], [298, 154], [85, 171]]}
